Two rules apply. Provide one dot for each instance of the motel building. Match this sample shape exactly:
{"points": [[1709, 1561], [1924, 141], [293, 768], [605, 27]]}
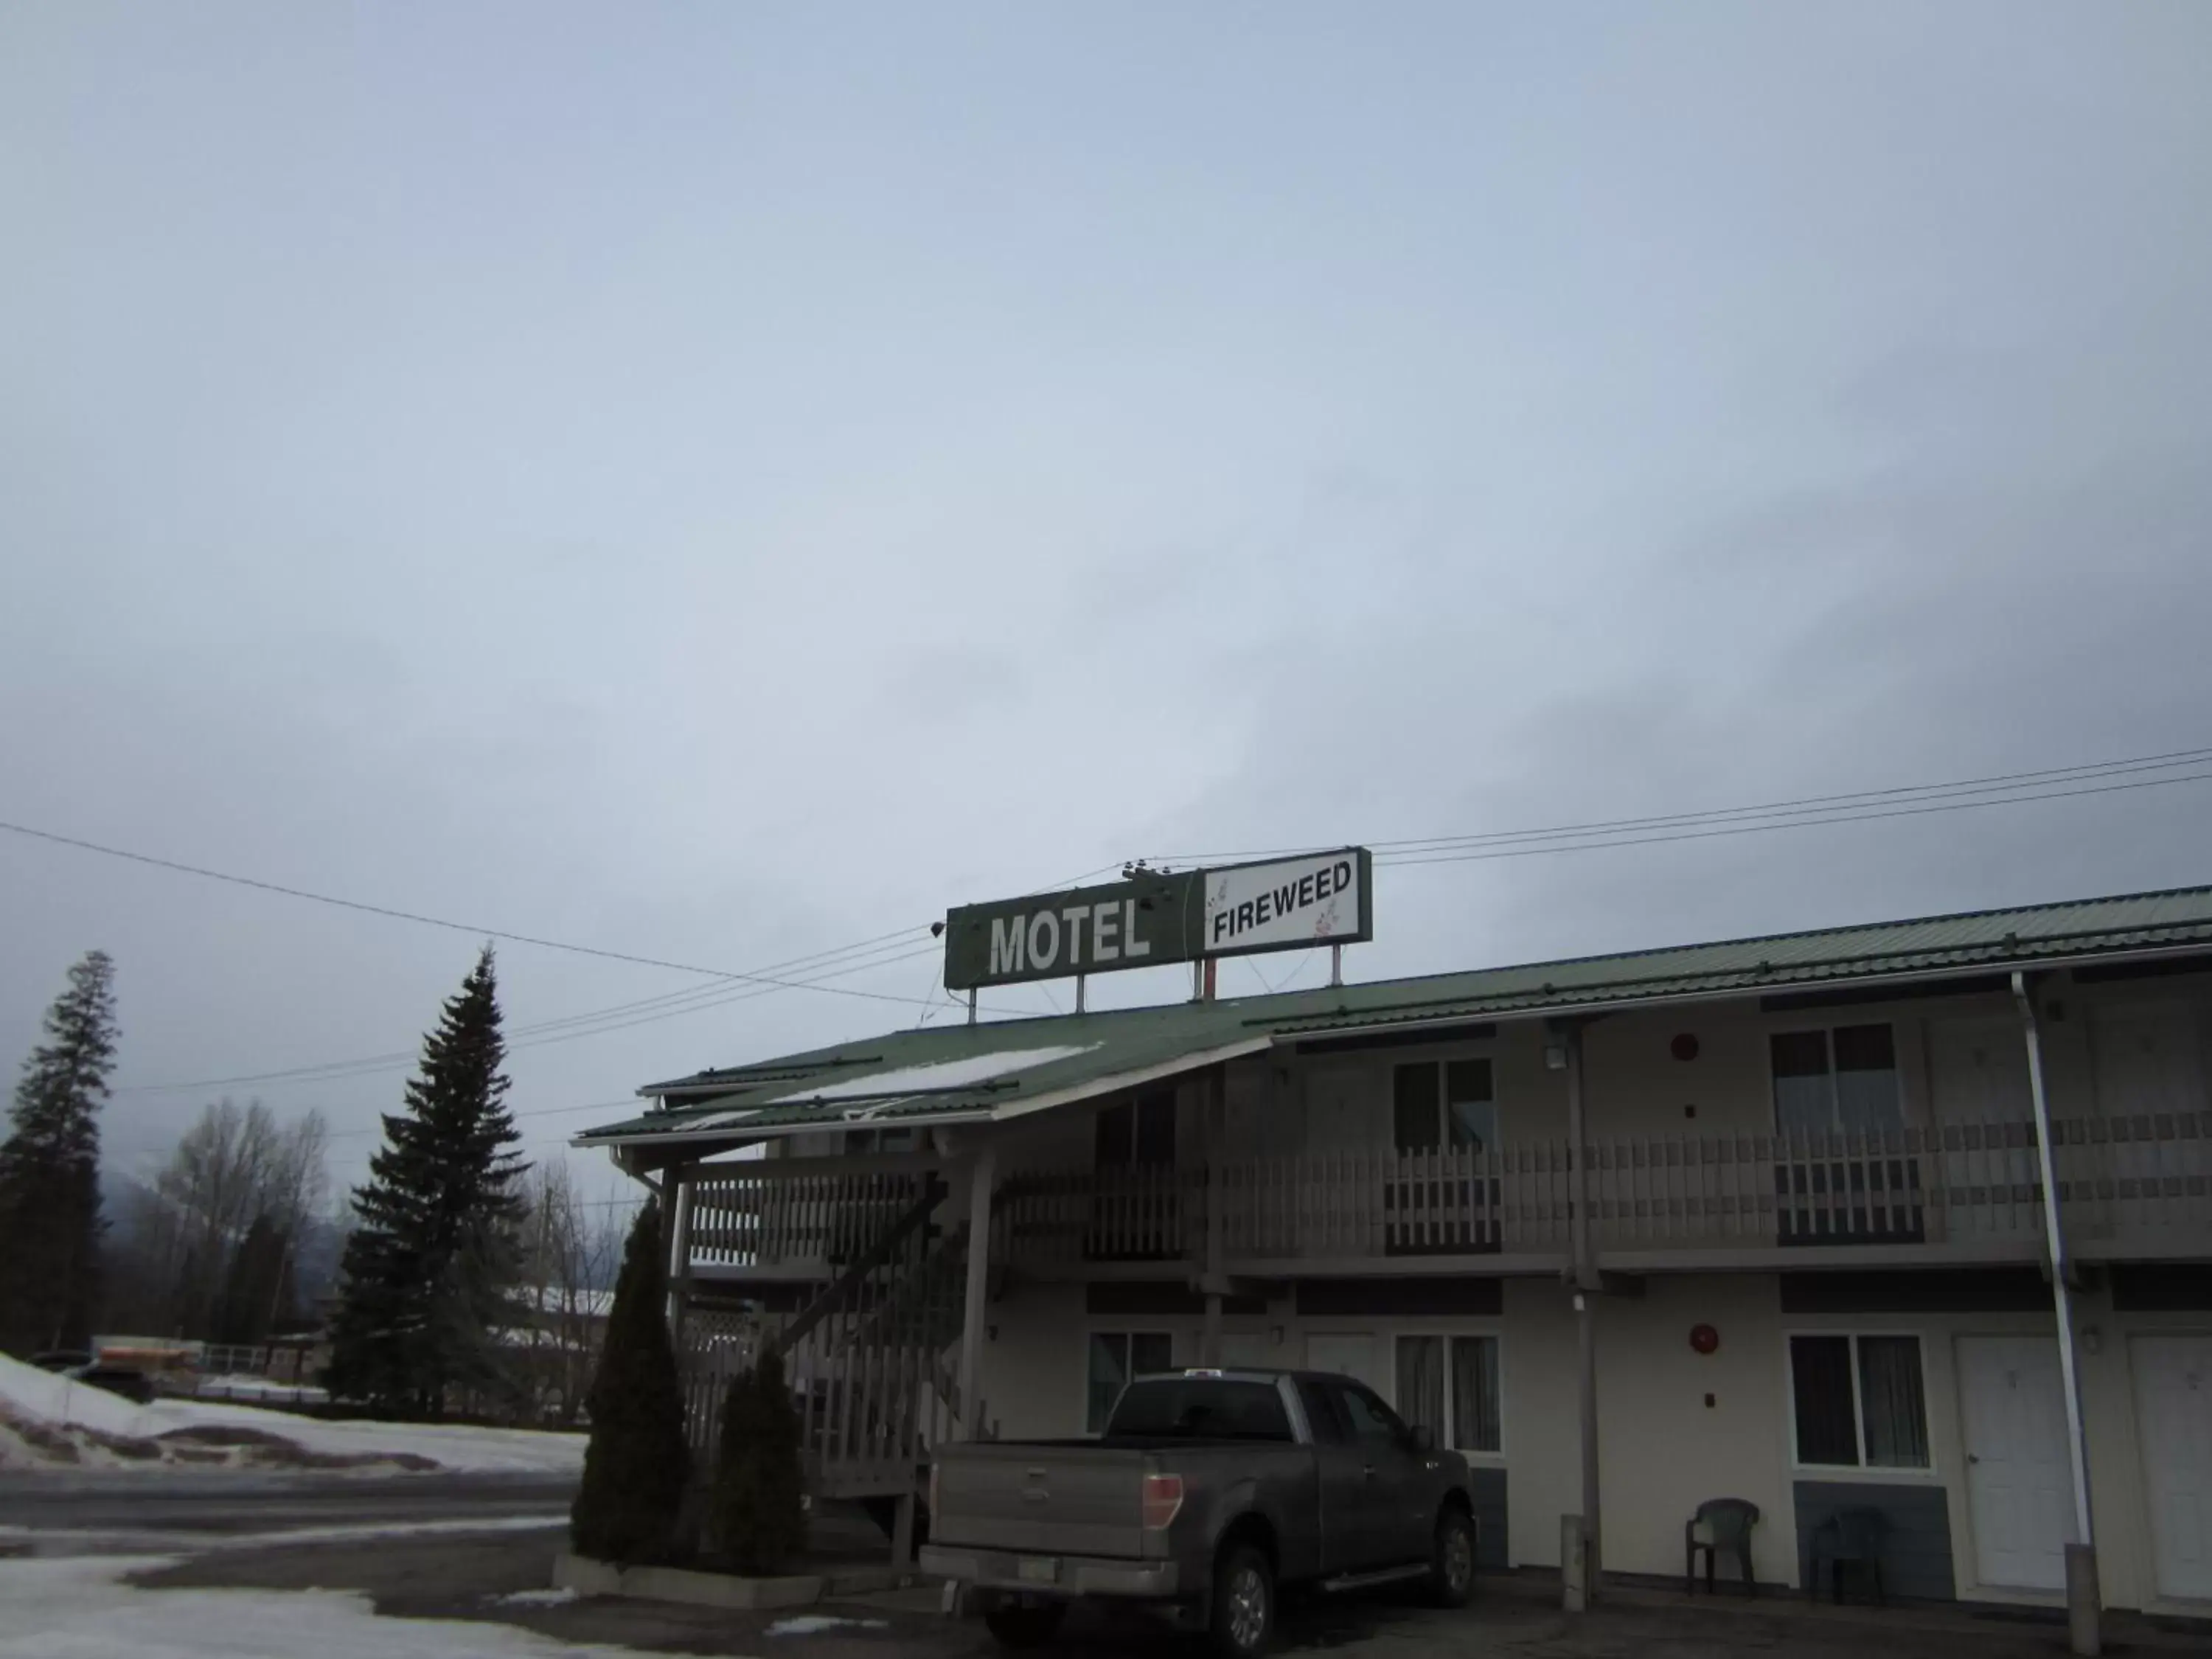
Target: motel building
{"points": [[1764, 1219]]}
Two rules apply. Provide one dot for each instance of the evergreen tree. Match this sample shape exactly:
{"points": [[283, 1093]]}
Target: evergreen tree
{"points": [[759, 1502], [637, 1463], [427, 1269], [50, 1221]]}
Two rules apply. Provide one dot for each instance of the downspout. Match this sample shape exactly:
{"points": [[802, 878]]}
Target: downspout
{"points": [[2082, 1598]]}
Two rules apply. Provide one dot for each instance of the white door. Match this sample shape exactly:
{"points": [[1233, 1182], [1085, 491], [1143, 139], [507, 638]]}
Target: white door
{"points": [[1352, 1354], [2019, 1480], [2173, 1414]]}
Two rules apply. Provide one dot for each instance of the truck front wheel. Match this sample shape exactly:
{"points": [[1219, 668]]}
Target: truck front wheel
{"points": [[1451, 1572], [1243, 1601], [1024, 1624]]}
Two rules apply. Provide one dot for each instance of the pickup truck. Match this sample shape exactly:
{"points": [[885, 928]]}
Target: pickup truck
{"points": [[1209, 1493]]}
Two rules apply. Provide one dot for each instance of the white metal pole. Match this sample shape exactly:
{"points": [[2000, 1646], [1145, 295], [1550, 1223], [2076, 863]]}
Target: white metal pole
{"points": [[1335, 966], [2082, 1595]]}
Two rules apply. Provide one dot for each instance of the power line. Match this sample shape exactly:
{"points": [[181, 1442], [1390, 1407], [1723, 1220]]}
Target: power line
{"points": [[531, 1111], [396, 915], [368, 1065], [1798, 824], [2009, 786]]}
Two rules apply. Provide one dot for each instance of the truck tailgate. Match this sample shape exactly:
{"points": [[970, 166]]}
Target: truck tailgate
{"points": [[1057, 1500]]}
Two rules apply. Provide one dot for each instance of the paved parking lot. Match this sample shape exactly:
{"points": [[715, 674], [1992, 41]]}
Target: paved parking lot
{"points": [[468, 1578]]}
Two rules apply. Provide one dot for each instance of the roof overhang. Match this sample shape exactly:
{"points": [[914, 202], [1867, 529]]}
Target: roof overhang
{"points": [[737, 1133]]}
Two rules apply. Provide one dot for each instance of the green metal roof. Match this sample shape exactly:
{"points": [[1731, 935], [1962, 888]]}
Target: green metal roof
{"points": [[1001, 1068]]}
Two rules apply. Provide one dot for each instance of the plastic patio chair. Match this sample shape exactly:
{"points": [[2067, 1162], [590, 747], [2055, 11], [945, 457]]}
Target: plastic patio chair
{"points": [[1721, 1526], [1855, 1537]]}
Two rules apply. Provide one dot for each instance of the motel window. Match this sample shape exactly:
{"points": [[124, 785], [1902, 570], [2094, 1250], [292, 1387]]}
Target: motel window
{"points": [[1116, 1357], [1450, 1102], [1839, 1079], [882, 1141], [1858, 1402], [1137, 1132], [1450, 1386]]}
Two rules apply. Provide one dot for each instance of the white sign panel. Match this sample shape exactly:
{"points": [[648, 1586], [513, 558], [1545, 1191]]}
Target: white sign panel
{"points": [[1317, 899]]}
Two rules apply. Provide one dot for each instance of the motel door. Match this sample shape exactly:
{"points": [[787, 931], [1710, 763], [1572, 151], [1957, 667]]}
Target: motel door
{"points": [[2020, 1478], [2174, 1395]]}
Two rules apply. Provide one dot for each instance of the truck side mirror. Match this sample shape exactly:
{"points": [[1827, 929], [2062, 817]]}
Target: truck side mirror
{"points": [[1424, 1439]]}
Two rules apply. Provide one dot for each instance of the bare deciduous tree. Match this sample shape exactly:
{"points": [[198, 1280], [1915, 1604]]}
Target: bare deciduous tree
{"points": [[570, 1248], [209, 1244]]}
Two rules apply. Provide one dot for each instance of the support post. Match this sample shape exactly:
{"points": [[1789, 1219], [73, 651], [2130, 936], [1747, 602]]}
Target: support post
{"points": [[2082, 1598], [1217, 1109], [1574, 1564], [1335, 966], [676, 1189], [976, 1309], [1079, 978], [971, 1007], [1586, 1283]]}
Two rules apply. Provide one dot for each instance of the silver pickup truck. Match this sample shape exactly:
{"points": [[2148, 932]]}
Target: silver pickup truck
{"points": [[1209, 1492]]}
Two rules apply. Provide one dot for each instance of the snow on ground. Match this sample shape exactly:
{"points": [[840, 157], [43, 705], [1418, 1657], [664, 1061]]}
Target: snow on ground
{"points": [[544, 1598], [34, 1405], [78, 1608], [813, 1624]]}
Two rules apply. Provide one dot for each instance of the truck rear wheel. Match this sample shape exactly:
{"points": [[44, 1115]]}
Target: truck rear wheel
{"points": [[1243, 1601], [1024, 1624]]}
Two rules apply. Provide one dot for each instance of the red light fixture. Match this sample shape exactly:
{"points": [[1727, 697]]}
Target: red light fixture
{"points": [[1685, 1046], [1704, 1338]]}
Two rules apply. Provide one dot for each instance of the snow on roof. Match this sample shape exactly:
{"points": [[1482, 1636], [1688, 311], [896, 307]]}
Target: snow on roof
{"points": [[936, 1077]]}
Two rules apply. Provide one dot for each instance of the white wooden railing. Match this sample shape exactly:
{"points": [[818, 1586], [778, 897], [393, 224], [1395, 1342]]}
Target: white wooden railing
{"points": [[1959, 1184], [754, 1220]]}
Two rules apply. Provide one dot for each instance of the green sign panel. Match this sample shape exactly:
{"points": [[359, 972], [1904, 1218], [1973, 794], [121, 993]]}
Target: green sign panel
{"points": [[1153, 918], [1139, 923]]}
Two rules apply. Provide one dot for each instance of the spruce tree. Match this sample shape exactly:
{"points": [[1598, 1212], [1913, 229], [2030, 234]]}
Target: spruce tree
{"points": [[637, 1463], [50, 1221], [758, 1503], [427, 1271]]}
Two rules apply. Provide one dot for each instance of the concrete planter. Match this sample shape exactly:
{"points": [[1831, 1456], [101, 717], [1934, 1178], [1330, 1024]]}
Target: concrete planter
{"points": [[588, 1576]]}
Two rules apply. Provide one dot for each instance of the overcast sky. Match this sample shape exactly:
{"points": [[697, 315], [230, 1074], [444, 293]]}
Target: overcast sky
{"points": [[721, 482]]}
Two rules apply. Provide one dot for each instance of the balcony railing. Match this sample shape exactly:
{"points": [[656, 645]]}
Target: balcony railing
{"points": [[1959, 1185], [2140, 1180], [765, 1221]]}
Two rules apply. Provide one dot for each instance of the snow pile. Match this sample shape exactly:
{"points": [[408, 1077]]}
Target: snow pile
{"points": [[78, 1607], [46, 1419], [813, 1624], [543, 1598]]}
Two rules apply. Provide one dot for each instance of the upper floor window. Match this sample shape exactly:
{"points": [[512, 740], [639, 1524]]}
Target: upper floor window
{"points": [[1443, 1102], [1140, 1131], [882, 1141], [1839, 1079]]}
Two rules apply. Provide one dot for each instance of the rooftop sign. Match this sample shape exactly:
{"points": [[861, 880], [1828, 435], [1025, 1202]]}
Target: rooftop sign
{"points": [[1153, 917]]}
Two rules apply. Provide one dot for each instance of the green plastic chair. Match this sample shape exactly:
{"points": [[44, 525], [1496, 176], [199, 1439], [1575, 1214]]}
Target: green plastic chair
{"points": [[1850, 1538], [1721, 1526]]}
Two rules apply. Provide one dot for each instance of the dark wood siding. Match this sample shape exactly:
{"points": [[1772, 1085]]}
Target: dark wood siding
{"points": [[2162, 1287], [1353, 1299], [1917, 1555], [1158, 1297], [1939, 1289], [1488, 1485]]}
